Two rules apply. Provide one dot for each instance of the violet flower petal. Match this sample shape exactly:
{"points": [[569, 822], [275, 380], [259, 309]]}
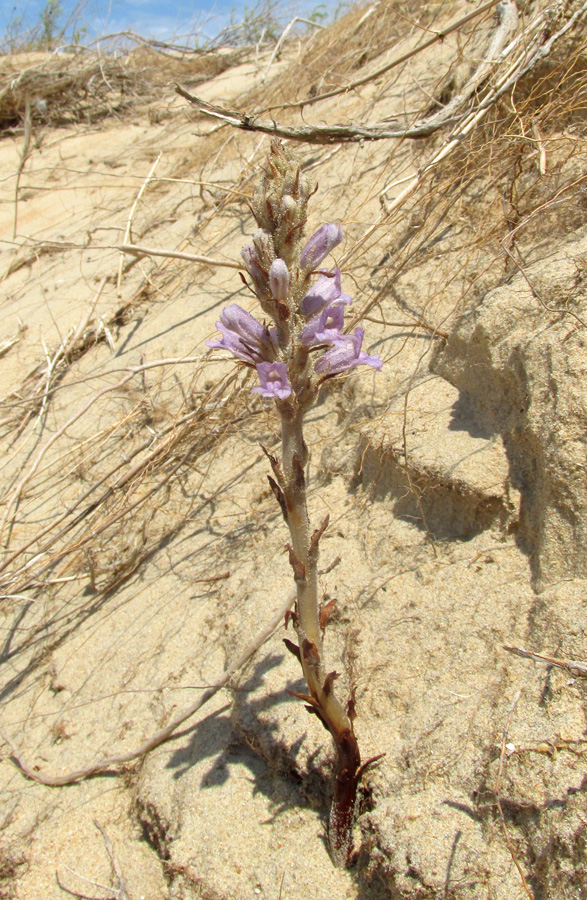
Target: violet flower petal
{"points": [[346, 354], [274, 381], [237, 319], [320, 244], [325, 328], [326, 292], [244, 336]]}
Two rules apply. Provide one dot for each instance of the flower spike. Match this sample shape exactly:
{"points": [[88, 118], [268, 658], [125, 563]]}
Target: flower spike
{"points": [[306, 346]]}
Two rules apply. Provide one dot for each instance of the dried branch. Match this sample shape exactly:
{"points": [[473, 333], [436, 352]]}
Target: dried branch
{"points": [[172, 254], [128, 232], [116, 869], [579, 670], [383, 70], [532, 51], [310, 134], [333, 134]]}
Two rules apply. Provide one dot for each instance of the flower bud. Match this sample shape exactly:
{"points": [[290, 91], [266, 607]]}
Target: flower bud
{"points": [[279, 279], [256, 267], [320, 244], [251, 260], [288, 204]]}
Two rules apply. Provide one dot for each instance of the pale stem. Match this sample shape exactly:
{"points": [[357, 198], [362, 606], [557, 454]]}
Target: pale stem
{"points": [[293, 445], [327, 706]]}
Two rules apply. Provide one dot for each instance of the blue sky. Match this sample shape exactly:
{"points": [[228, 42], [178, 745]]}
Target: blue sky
{"points": [[161, 19]]}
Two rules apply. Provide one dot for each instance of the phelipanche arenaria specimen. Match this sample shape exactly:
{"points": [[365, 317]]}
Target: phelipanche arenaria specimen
{"points": [[301, 345]]}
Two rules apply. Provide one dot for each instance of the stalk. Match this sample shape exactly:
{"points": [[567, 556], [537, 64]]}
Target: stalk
{"points": [[321, 701]]}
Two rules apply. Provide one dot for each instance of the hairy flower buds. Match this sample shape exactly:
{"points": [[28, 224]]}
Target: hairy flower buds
{"points": [[288, 204], [279, 280], [281, 200], [320, 244]]}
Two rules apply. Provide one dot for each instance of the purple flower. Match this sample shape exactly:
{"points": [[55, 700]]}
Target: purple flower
{"points": [[274, 381], [325, 328], [279, 279], [346, 354], [326, 292], [244, 336], [320, 244]]}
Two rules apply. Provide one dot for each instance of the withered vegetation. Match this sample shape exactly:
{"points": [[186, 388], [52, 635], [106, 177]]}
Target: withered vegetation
{"points": [[92, 498]]}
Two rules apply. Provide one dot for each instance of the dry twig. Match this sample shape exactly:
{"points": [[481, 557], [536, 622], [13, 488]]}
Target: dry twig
{"points": [[498, 797], [577, 669], [128, 233]]}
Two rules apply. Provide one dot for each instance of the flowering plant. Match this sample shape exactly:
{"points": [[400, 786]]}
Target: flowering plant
{"points": [[303, 346]]}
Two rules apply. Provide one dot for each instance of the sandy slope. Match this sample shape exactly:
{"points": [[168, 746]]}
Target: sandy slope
{"points": [[454, 480]]}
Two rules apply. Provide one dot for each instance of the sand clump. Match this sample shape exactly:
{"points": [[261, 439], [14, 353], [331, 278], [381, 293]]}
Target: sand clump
{"points": [[142, 544]]}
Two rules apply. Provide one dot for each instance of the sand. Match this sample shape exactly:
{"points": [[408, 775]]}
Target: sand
{"points": [[454, 480]]}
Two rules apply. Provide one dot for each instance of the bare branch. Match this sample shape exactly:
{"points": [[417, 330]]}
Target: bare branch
{"points": [[579, 670], [439, 36], [532, 50]]}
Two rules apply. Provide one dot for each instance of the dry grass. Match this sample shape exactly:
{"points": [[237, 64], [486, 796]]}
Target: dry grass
{"points": [[135, 479], [86, 86], [518, 176], [524, 161]]}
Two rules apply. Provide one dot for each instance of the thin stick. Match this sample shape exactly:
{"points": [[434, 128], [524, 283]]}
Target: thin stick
{"points": [[78, 894], [116, 870], [24, 155], [165, 733], [284, 34], [128, 232], [170, 254], [66, 346], [136, 250], [498, 790], [579, 670]]}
